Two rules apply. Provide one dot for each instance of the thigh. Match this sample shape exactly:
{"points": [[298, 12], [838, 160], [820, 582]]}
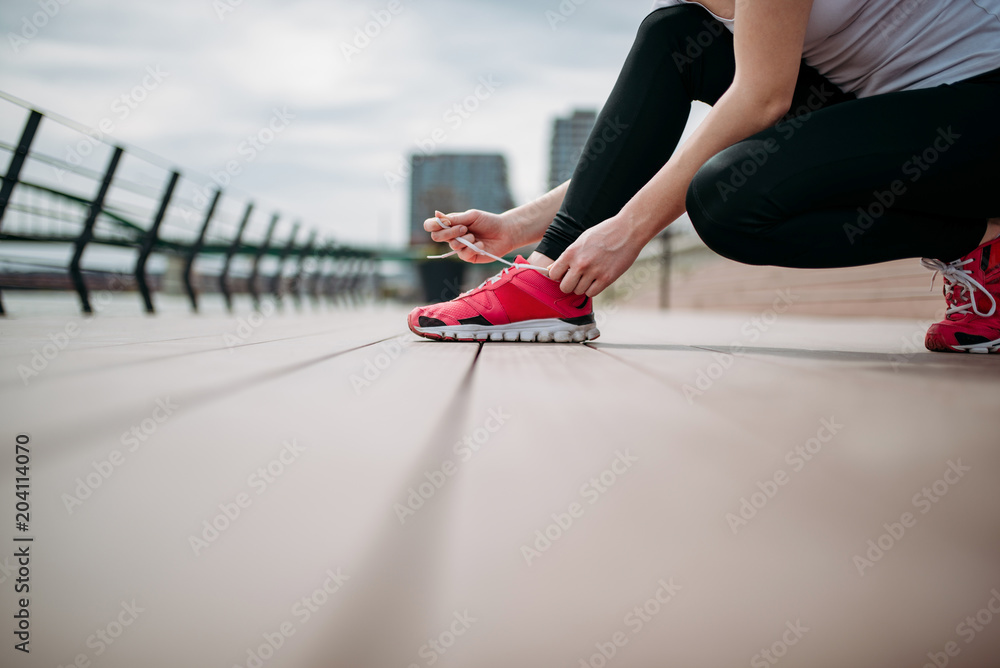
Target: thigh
{"points": [[935, 151]]}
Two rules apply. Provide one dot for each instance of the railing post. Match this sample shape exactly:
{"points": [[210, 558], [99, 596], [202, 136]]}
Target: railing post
{"points": [[149, 242], [374, 277], [297, 280], [234, 247], [196, 248], [254, 292], [276, 279], [317, 275], [354, 278], [331, 281], [17, 159], [88, 231]]}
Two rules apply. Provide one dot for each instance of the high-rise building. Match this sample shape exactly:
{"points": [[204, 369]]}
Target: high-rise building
{"points": [[455, 182], [569, 135]]}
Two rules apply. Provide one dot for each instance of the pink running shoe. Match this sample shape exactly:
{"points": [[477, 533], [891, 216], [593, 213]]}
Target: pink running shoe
{"points": [[972, 289], [521, 303]]}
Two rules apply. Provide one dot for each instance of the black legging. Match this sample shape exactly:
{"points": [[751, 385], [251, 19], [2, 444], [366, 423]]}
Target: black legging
{"points": [[838, 182]]}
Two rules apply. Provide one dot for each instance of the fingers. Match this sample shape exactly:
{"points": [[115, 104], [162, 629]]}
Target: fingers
{"points": [[574, 280], [444, 234], [558, 268], [465, 218], [466, 253], [570, 281], [452, 228], [561, 271], [596, 288], [584, 285], [458, 245]]}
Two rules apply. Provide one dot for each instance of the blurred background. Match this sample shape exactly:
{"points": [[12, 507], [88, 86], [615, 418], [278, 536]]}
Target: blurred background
{"points": [[329, 131]]}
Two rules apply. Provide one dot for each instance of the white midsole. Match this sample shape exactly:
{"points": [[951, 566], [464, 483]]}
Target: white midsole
{"points": [[985, 347], [547, 329]]}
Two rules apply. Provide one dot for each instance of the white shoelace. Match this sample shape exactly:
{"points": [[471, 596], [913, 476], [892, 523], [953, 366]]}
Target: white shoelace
{"points": [[954, 274], [444, 222]]}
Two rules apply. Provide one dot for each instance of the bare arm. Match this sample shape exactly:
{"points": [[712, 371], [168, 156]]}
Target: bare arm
{"points": [[768, 46], [499, 233], [535, 216]]}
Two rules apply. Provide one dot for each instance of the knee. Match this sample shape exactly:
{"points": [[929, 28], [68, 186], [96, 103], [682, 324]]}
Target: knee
{"points": [[672, 27], [726, 208]]}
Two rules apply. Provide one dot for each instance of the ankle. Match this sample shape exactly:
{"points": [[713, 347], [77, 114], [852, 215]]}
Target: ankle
{"points": [[992, 230], [540, 260]]}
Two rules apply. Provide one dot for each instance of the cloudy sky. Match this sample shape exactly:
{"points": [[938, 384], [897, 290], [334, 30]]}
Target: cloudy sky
{"points": [[360, 105]]}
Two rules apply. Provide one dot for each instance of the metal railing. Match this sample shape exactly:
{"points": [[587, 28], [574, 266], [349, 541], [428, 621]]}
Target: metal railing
{"points": [[142, 203]]}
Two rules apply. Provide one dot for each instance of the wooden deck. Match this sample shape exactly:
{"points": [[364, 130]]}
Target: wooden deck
{"points": [[326, 490]]}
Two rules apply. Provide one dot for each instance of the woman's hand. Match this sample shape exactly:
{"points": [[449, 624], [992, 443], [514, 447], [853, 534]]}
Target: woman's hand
{"points": [[596, 259], [489, 231]]}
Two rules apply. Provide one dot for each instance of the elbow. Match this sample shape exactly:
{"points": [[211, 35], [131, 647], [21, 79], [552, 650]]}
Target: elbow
{"points": [[766, 105], [769, 108], [774, 108]]}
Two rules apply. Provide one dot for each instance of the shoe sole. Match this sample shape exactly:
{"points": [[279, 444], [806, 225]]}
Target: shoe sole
{"points": [[984, 348], [550, 330], [979, 348]]}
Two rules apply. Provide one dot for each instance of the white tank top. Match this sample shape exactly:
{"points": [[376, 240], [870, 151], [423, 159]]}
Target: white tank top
{"points": [[879, 46]]}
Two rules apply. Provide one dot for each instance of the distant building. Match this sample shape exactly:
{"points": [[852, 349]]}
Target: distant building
{"points": [[453, 183], [569, 135]]}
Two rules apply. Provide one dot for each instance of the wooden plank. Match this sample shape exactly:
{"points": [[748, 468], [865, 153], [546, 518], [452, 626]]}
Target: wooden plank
{"points": [[377, 421], [131, 535]]}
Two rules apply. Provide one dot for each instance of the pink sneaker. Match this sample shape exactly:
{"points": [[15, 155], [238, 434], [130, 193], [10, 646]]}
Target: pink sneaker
{"points": [[521, 303], [972, 290]]}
